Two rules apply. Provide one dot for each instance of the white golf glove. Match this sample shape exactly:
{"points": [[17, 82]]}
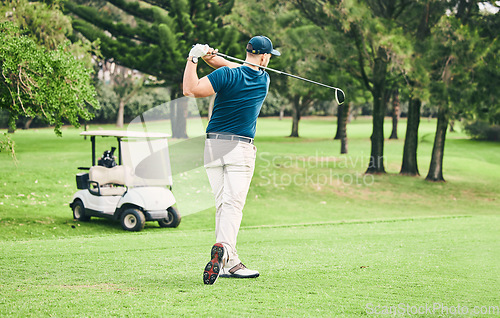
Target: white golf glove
{"points": [[199, 50]]}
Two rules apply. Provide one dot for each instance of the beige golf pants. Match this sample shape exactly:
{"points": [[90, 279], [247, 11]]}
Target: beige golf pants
{"points": [[230, 166]]}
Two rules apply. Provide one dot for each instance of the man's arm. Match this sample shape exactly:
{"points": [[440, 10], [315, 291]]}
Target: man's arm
{"points": [[216, 61], [192, 86]]}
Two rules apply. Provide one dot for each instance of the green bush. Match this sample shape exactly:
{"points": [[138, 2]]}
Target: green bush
{"points": [[482, 130]]}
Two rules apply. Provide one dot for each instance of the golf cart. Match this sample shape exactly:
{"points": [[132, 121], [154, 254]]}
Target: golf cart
{"points": [[136, 190]]}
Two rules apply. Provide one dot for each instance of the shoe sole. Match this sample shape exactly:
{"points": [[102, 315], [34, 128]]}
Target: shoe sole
{"points": [[211, 272], [238, 276]]}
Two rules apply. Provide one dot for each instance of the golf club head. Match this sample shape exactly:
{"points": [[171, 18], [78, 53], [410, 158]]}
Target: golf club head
{"points": [[339, 96]]}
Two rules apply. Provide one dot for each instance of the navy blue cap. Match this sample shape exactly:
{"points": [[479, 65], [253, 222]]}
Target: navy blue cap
{"points": [[260, 45]]}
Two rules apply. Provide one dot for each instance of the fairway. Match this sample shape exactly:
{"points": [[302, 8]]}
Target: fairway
{"points": [[325, 270], [328, 240]]}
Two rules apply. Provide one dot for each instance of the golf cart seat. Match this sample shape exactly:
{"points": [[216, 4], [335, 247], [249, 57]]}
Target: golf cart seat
{"points": [[109, 181]]}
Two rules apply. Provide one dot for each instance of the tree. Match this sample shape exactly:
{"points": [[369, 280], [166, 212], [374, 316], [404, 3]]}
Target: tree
{"points": [[124, 82], [155, 37], [449, 57], [48, 27], [126, 88], [301, 56], [35, 81], [136, 105], [371, 40], [460, 47], [427, 14]]}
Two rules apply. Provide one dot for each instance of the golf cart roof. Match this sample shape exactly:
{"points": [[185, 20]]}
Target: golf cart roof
{"points": [[124, 134]]}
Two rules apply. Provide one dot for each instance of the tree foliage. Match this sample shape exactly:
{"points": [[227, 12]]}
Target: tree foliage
{"points": [[439, 52], [35, 81], [136, 105], [371, 46], [155, 37], [48, 26], [458, 50]]}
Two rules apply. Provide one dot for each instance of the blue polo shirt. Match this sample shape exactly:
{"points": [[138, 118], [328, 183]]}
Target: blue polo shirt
{"points": [[240, 94]]}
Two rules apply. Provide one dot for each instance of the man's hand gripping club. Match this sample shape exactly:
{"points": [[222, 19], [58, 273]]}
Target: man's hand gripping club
{"points": [[198, 50]]}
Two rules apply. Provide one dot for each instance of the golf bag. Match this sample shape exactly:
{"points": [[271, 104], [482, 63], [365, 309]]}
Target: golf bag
{"points": [[108, 159]]}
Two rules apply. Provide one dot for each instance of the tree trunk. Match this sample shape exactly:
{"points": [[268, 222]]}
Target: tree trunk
{"points": [[295, 116], [338, 134], [282, 112], [395, 114], [121, 112], [27, 124], [452, 126], [379, 106], [436, 167], [182, 113], [343, 130], [178, 116], [410, 165], [173, 122]]}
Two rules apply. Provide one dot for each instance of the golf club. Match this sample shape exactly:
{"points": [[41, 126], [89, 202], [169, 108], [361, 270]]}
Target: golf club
{"points": [[339, 94]]}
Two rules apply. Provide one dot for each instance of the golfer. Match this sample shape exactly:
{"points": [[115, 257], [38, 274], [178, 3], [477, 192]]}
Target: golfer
{"points": [[229, 147]]}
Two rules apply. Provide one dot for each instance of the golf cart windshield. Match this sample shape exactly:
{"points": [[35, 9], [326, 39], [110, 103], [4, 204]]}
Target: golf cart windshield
{"points": [[149, 159]]}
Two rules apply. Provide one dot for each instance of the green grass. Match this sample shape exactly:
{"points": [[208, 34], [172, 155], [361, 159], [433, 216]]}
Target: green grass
{"points": [[326, 270], [327, 244]]}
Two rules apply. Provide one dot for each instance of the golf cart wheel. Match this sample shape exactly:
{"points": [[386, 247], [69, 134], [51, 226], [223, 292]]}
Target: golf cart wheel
{"points": [[79, 211], [173, 218], [133, 220]]}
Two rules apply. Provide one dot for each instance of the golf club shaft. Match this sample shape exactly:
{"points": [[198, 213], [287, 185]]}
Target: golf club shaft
{"points": [[277, 71]]}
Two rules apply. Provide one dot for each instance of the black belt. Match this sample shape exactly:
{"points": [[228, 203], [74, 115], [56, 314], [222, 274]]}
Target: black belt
{"points": [[229, 137]]}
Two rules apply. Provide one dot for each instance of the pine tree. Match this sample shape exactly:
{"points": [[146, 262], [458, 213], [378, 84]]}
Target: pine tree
{"points": [[458, 49], [154, 37]]}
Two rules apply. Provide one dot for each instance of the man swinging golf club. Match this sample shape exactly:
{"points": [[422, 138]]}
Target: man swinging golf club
{"points": [[229, 149]]}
